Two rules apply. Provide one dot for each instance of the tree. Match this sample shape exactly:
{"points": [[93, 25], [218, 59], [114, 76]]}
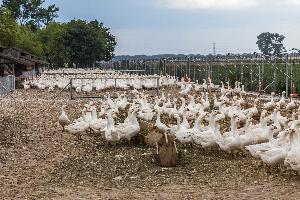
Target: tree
{"points": [[270, 44], [31, 12], [278, 44], [53, 43], [105, 37], [28, 41], [14, 35], [8, 28], [88, 42]]}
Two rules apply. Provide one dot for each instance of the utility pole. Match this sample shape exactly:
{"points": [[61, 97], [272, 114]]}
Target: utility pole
{"points": [[214, 49]]}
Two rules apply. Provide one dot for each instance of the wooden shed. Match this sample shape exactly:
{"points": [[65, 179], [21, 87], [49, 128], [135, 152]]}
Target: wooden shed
{"points": [[14, 61]]}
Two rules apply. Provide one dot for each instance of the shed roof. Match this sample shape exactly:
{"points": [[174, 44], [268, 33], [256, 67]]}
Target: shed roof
{"points": [[28, 60], [17, 60]]}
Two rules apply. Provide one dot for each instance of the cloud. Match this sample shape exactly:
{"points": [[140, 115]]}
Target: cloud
{"points": [[294, 2], [210, 4]]}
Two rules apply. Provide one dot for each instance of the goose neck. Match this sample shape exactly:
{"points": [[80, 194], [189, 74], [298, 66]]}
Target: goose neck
{"points": [[270, 135]]}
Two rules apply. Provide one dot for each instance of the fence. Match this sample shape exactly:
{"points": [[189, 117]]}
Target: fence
{"points": [[257, 72], [71, 87], [7, 84], [28, 74]]}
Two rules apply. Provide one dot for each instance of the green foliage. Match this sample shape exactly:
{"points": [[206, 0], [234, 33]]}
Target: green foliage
{"points": [[8, 28], [88, 42], [77, 42], [28, 41], [31, 12], [14, 35], [52, 38], [270, 44], [106, 38]]}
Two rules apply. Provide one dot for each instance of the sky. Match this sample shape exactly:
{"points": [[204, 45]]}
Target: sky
{"points": [[188, 26]]}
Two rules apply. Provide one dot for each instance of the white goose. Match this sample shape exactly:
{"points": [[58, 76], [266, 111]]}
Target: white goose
{"points": [[63, 118], [282, 102], [97, 124], [292, 160], [257, 148], [183, 134], [207, 136], [161, 126], [230, 141], [79, 126], [110, 132], [278, 149], [291, 105], [186, 90], [131, 129], [270, 105]]}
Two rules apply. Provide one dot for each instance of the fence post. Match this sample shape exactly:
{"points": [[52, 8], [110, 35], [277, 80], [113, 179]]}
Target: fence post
{"points": [[159, 67], [71, 85], [194, 73], [262, 73], [157, 86], [208, 71], [211, 71], [189, 67], [260, 85], [14, 82], [287, 75], [242, 73], [164, 67], [115, 83], [251, 76]]}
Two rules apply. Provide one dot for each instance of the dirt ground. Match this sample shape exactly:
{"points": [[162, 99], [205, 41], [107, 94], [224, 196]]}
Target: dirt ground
{"points": [[38, 161]]}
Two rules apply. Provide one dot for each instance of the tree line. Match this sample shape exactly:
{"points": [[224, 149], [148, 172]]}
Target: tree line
{"points": [[28, 25]]}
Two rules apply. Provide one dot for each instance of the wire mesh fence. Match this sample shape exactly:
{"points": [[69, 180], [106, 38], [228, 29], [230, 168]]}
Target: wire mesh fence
{"points": [[28, 74], [258, 73], [7, 84]]}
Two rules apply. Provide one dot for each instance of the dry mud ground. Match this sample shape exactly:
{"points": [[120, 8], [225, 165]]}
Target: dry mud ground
{"points": [[37, 161]]}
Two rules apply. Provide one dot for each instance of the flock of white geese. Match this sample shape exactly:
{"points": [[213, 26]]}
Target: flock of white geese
{"points": [[274, 138], [92, 81]]}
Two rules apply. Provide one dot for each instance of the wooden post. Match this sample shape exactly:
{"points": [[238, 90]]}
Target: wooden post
{"points": [[260, 86], [251, 74], [242, 73], [157, 86], [189, 67], [194, 73], [164, 66], [71, 85], [159, 67]]}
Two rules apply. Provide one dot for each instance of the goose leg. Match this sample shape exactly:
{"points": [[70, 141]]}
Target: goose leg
{"points": [[79, 138], [175, 147]]}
